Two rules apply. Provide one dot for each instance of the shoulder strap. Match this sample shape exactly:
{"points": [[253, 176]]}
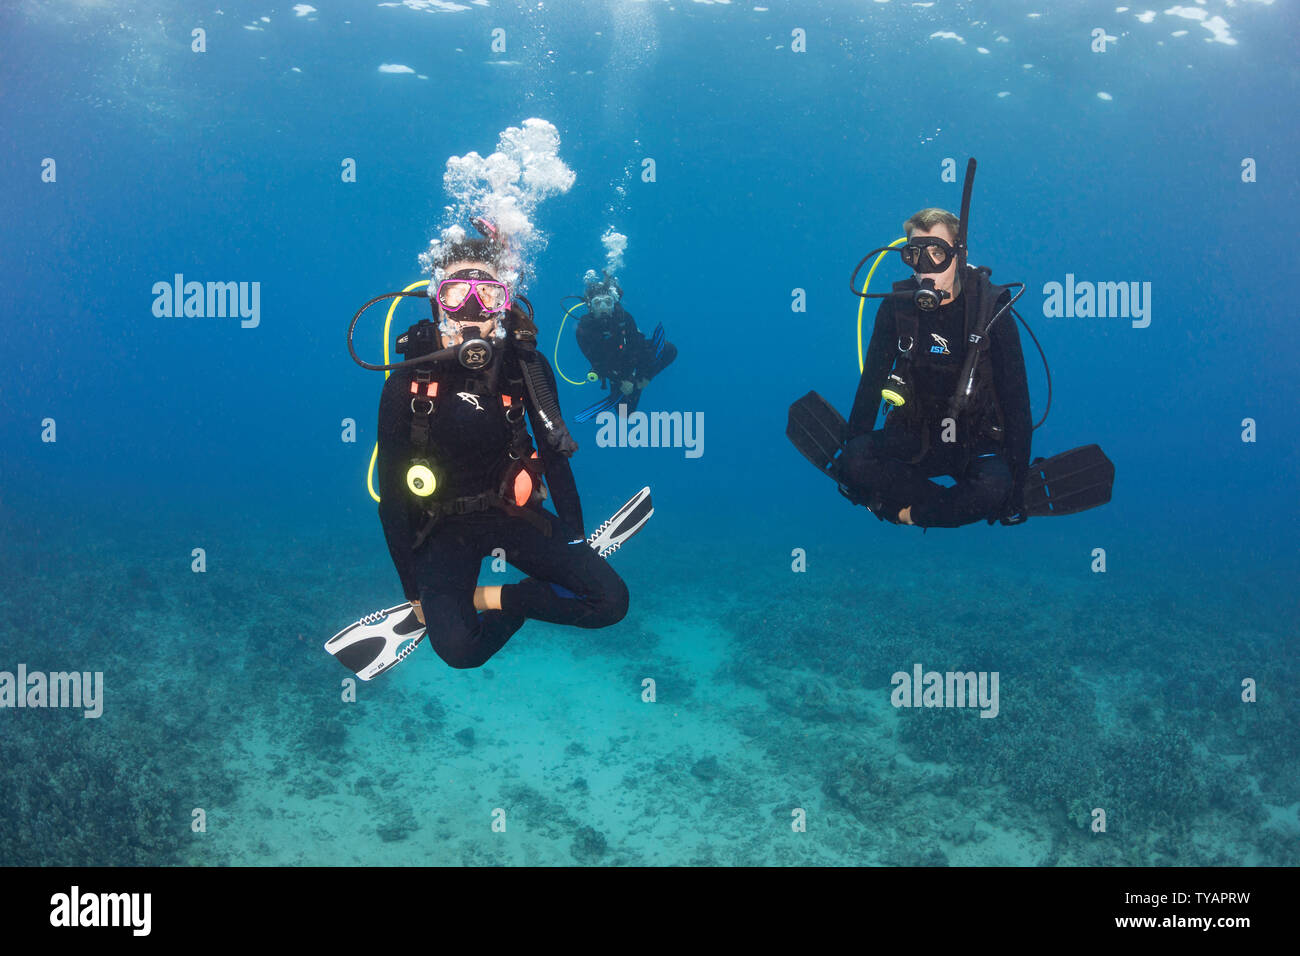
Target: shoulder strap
{"points": [[424, 398], [982, 298], [906, 320]]}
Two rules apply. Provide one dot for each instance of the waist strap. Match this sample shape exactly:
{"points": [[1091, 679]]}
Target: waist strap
{"points": [[470, 504]]}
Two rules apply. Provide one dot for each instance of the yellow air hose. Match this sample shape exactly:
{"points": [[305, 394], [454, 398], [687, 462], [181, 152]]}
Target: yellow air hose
{"points": [[388, 324], [862, 303]]}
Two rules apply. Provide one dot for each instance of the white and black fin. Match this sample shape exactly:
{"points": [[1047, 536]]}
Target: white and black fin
{"points": [[375, 643], [370, 646], [627, 521]]}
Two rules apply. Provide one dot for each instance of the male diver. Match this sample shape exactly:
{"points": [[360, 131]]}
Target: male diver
{"points": [[985, 446], [619, 353], [945, 358], [459, 478]]}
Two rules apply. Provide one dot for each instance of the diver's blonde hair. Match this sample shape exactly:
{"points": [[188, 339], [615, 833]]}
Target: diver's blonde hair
{"points": [[929, 218]]}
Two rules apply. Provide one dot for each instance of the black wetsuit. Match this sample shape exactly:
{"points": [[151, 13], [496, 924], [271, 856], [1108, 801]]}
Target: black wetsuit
{"points": [[619, 352], [888, 469], [468, 440]]}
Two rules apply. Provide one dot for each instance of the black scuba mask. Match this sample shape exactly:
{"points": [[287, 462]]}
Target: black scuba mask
{"points": [[927, 254]]}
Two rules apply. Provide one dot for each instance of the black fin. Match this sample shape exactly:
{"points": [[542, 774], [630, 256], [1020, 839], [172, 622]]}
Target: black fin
{"points": [[815, 429], [1072, 481], [608, 403]]}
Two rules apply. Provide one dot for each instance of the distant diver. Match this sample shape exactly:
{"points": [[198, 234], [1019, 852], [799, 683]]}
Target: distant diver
{"points": [[952, 379], [622, 359]]}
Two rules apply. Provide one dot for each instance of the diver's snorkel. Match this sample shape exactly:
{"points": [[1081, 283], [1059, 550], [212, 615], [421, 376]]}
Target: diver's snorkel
{"points": [[488, 231], [960, 245]]}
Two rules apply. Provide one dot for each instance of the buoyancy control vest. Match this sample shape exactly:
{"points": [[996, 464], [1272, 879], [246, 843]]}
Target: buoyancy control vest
{"points": [[503, 389], [963, 393]]}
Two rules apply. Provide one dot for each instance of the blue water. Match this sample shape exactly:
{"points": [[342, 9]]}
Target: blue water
{"points": [[775, 170]]}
